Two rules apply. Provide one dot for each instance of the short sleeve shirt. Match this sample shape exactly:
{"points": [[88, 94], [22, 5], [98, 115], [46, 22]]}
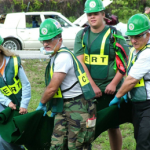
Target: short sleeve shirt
{"points": [[64, 63]]}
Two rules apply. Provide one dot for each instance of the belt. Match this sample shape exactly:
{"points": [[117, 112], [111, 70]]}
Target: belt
{"points": [[72, 99]]}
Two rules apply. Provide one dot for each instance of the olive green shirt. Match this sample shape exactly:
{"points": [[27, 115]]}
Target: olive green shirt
{"points": [[79, 50]]}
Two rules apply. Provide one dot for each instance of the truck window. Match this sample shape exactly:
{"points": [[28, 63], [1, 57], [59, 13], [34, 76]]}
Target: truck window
{"points": [[59, 19], [2, 18], [33, 21]]}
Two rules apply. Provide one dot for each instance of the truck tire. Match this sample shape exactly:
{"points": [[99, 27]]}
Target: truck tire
{"points": [[11, 44]]}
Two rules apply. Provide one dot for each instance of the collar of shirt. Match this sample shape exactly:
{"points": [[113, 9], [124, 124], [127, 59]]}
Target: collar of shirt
{"points": [[134, 53]]}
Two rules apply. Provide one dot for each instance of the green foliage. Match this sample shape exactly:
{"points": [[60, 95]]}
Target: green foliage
{"points": [[37, 4], [78, 1], [72, 18], [28, 25], [54, 2], [8, 10], [124, 9], [23, 6], [16, 2], [20, 3], [68, 5]]}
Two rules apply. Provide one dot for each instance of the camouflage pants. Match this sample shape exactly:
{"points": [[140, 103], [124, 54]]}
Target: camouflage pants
{"points": [[70, 130]]}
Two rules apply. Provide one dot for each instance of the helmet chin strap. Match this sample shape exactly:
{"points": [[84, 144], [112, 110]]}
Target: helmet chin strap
{"points": [[144, 36], [56, 45]]}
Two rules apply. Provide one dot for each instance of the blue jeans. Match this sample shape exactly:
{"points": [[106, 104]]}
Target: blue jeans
{"points": [[8, 146]]}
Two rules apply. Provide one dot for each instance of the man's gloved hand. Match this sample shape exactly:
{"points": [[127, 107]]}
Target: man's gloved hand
{"points": [[55, 110], [42, 107], [116, 100], [53, 114], [125, 97]]}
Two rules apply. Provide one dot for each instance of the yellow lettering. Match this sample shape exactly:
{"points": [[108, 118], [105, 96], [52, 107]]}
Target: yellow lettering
{"points": [[58, 94], [11, 89], [140, 83], [86, 58], [100, 59], [83, 79], [103, 59], [5, 90], [96, 59]]}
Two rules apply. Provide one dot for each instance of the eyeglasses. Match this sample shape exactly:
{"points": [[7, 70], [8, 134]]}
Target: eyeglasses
{"points": [[137, 37], [90, 14], [48, 41]]}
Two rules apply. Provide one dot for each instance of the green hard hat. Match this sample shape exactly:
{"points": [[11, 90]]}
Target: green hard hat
{"points": [[137, 24], [49, 28], [1, 40], [93, 6]]}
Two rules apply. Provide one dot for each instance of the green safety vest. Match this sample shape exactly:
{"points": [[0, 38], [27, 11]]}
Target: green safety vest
{"points": [[147, 16], [12, 87], [96, 55], [138, 93], [56, 103]]}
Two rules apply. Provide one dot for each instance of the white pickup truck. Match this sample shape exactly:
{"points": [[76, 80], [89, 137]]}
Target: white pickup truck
{"points": [[21, 30]]}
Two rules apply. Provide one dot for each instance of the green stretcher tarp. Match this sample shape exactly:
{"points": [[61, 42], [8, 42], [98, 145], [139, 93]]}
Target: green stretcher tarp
{"points": [[34, 131]]}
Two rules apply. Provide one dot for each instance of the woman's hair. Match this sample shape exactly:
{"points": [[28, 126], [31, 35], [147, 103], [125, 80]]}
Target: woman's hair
{"points": [[6, 52]]}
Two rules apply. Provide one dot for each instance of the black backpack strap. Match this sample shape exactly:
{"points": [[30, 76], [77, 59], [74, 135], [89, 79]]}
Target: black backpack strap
{"points": [[70, 87], [113, 31], [84, 30]]}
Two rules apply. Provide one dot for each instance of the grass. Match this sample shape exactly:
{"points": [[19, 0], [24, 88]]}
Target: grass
{"points": [[35, 71]]}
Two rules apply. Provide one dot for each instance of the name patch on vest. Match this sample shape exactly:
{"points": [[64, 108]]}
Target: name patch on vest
{"points": [[83, 79], [96, 59], [11, 89], [58, 94], [140, 83]]}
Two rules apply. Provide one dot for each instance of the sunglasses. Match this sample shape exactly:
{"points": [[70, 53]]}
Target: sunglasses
{"points": [[48, 41], [137, 37]]}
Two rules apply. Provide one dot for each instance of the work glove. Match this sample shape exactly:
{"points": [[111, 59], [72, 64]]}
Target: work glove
{"points": [[53, 114], [116, 100], [125, 97], [55, 110], [42, 107]]}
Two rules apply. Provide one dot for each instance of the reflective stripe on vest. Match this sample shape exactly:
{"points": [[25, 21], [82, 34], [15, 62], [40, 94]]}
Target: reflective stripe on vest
{"points": [[138, 93], [83, 79], [98, 59], [141, 82], [58, 94], [147, 16], [16, 87]]}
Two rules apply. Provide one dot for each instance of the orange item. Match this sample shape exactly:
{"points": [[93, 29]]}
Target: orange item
{"points": [[3, 67]]}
